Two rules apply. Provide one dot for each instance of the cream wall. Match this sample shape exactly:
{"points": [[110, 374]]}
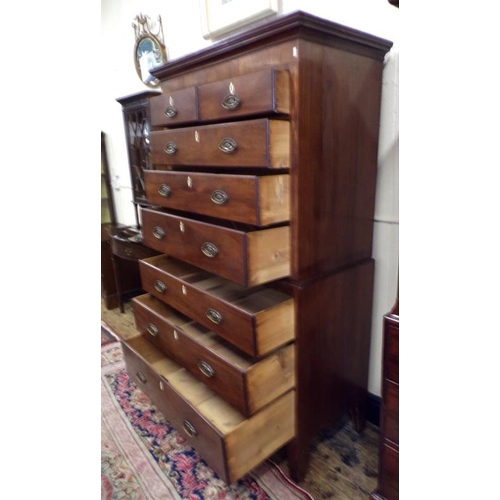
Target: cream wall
{"points": [[182, 30]]}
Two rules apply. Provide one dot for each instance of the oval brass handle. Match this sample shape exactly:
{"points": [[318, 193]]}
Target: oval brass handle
{"points": [[209, 249], [219, 197], [128, 251], [214, 316], [228, 145], [160, 286], [231, 102], [206, 369], [142, 378], [171, 111], [170, 148], [165, 190], [158, 233], [152, 329], [189, 428]]}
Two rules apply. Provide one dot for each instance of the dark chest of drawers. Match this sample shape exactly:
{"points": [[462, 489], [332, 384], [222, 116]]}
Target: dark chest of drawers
{"points": [[388, 477], [255, 329]]}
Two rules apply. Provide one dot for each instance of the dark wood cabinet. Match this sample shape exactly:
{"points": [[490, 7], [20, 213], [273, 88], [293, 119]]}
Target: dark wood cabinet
{"points": [[388, 477], [124, 245], [137, 125], [265, 152]]}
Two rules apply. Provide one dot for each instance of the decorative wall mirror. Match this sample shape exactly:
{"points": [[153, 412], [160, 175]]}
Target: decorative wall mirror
{"points": [[149, 49]]}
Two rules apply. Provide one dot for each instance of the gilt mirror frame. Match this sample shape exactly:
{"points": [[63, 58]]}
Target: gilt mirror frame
{"points": [[149, 48]]}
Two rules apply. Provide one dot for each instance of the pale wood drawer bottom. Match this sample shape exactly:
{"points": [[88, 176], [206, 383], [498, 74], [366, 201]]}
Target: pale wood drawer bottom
{"points": [[231, 444]]}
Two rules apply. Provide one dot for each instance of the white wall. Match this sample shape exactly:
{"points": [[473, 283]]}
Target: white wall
{"points": [[182, 30]]}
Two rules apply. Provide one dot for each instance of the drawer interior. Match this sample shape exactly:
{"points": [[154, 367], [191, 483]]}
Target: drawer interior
{"points": [[245, 442]]}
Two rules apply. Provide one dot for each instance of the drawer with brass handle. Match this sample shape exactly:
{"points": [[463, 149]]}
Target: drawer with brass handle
{"points": [[250, 199], [260, 143], [174, 108], [256, 320], [248, 258], [231, 444], [247, 384], [261, 92]]}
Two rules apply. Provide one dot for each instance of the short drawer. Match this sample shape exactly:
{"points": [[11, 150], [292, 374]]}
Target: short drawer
{"points": [[174, 108], [259, 143], [231, 444], [391, 411], [256, 320], [248, 258], [247, 384], [251, 199], [266, 91]]}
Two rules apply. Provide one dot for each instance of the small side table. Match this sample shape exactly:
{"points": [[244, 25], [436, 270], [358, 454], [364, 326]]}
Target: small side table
{"points": [[126, 244]]}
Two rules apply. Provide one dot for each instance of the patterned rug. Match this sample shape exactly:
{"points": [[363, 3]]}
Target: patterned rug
{"points": [[143, 457]]}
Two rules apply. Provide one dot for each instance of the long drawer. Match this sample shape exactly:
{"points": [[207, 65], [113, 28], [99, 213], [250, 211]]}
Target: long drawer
{"points": [[248, 258], [251, 199], [246, 384], [231, 444], [256, 320], [391, 411], [260, 143], [391, 351]]}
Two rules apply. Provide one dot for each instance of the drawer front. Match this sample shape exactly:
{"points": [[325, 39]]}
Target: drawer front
{"points": [[255, 143], [389, 478], [242, 198], [129, 250], [213, 362], [266, 91], [391, 411], [174, 108], [169, 336], [246, 258], [186, 420], [391, 351], [256, 320]]}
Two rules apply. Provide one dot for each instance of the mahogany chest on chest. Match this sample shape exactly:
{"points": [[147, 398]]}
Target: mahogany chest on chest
{"points": [[255, 329]]}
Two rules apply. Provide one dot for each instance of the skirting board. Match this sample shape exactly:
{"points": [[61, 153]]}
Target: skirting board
{"points": [[373, 409]]}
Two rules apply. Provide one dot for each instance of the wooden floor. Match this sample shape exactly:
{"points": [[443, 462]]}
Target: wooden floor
{"points": [[343, 464]]}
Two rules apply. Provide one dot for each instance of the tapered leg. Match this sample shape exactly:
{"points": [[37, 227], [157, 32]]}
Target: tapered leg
{"points": [[298, 459]]}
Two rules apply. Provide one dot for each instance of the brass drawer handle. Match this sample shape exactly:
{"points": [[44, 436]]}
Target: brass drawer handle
{"points": [[170, 148], [209, 249], [219, 197], [160, 286], [165, 190], [231, 102], [206, 369], [189, 428], [171, 111], [214, 316], [142, 378], [128, 251], [228, 145], [152, 330], [158, 233]]}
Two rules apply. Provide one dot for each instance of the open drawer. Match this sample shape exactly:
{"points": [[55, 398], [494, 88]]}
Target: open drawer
{"points": [[246, 256], [230, 444], [256, 320], [247, 384]]}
